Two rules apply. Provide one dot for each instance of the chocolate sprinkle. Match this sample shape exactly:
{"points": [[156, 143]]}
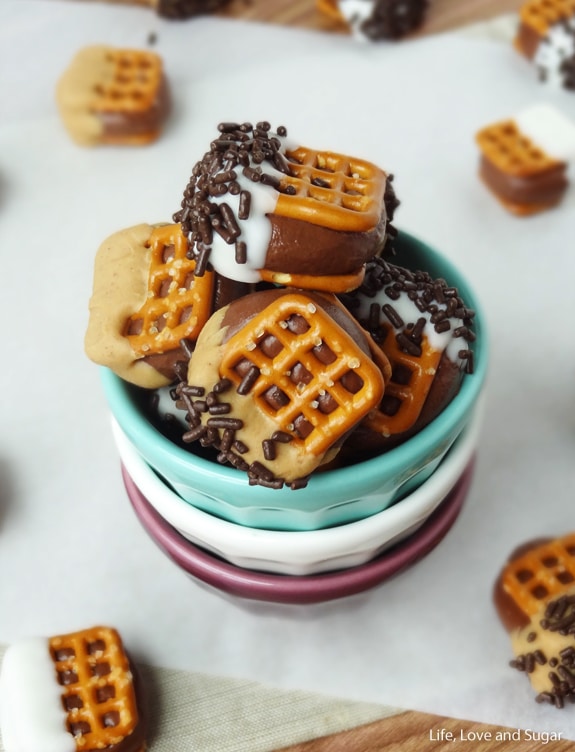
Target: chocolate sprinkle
{"points": [[239, 148], [438, 302], [229, 447], [559, 616]]}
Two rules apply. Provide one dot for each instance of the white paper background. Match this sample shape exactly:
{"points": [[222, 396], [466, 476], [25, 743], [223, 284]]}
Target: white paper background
{"points": [[72, 552]]}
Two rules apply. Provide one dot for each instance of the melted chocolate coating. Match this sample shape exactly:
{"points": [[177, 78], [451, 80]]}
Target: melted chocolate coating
{"points": [[299, 247], [118, 125], [543, 189], [364, 443], [244, 309]]}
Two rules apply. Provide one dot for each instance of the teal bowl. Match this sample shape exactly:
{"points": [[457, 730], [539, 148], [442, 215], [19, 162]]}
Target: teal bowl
{"points": [[332, 497]]}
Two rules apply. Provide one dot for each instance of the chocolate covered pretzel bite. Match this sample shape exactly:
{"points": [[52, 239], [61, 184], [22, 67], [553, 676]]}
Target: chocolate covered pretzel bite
{"points": [[535, 598], [276, 382], [113, 96], [258, 208], [425, 330]]}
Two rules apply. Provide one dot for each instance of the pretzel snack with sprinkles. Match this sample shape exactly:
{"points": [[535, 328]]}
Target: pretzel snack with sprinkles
{"points": [[546, 37], [535, 598], [377, 20], [257, 208], [425, 330], [278, 381]]}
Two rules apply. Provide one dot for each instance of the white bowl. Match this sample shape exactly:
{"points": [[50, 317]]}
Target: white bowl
{"points": [[301, 552]]}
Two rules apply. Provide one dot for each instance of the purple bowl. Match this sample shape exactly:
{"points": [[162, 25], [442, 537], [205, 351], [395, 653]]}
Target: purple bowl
{"points": [[276, 588]]}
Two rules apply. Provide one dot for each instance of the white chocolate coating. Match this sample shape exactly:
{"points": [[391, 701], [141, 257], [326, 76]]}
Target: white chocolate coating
{"points": [[255, 231], [32, 717], [557, 46], [405, 307], [549, 129], [355, 13]]}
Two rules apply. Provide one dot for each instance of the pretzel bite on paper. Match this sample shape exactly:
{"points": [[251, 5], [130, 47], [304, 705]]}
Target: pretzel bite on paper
{"points": [[535, 598], [259, 207], [113, 96], [277, 380], [524, 159], [70, 693]]}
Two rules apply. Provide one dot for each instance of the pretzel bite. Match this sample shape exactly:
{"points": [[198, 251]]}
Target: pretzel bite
{"points": [[277, 380], [71, 693], [258, 207], [524, 159], [535, 598], [546, 37], [374, 20], [113, 96], [148, 305], [424, 329]]}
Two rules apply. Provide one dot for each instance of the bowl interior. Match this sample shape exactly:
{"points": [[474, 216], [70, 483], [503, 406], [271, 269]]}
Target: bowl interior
{"points": [[337, 496]]}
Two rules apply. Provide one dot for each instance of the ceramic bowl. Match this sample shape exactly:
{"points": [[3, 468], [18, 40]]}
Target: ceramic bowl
{"points": [[332, 497], [227, 580], [306, 552]]}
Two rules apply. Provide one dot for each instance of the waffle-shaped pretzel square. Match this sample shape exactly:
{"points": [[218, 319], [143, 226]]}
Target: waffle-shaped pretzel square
{"points": [[304, 371], [524, 159], [178, 302], [332, 190], [113, 96], [70, 693], [146, 300], [412, 375], [540, 573]]}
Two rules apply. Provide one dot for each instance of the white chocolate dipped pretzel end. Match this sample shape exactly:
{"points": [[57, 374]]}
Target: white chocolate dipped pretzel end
{"points": [[376, 20], [70, 693], [524, 159]]}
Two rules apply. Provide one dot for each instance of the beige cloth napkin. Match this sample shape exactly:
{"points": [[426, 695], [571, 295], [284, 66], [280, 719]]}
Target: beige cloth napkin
{"points": [[191, 712]]}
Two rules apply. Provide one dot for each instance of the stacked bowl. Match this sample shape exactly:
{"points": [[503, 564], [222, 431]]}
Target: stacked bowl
{"points": [[349, 529]]}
